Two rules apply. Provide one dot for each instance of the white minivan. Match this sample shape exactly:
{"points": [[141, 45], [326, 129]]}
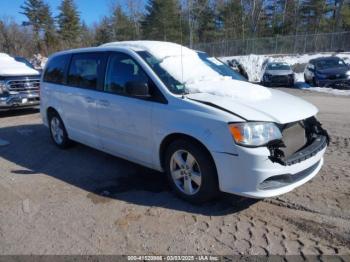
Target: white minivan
{"points": [[177, 110]]}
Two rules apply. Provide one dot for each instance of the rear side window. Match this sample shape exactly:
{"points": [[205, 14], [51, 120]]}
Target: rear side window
{"points": [[85, 69], [55, 70]]}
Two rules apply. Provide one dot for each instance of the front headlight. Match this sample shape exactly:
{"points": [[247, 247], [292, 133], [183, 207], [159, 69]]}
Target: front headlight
{"points": [[348, 74], [254, 133]]}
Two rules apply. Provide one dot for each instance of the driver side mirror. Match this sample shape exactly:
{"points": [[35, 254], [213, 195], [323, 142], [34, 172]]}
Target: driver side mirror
{"points": [[137, 89]]}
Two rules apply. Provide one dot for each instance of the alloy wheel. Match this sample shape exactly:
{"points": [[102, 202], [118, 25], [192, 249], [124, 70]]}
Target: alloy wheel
{"points": [[56, 130], [185, 172]]}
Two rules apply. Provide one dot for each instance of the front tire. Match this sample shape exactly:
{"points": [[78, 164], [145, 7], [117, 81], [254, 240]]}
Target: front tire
{"points": [[58, 131], [191, 171]]}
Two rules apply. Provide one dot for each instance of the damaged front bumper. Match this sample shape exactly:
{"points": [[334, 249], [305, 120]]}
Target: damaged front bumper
{"points": [[266, 171], [319, 143], [252, 174], [19, 100]]}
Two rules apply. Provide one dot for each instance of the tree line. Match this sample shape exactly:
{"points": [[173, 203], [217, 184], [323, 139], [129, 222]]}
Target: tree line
{"points": [[183, 21]]}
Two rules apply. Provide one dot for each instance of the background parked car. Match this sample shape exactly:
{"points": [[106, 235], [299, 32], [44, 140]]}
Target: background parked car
{"points": [[277, 74], [19, 83], [328, 72], [238, 67]]}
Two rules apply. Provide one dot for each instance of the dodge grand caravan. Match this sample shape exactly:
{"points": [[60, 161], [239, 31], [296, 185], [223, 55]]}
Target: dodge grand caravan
{"points": [[163, 106]]}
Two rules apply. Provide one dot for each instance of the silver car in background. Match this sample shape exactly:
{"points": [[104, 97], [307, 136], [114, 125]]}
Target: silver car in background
{"points": [[277, 74]]}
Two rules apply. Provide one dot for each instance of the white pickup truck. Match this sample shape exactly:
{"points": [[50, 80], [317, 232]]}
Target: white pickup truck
{"points": [[19, 83]]}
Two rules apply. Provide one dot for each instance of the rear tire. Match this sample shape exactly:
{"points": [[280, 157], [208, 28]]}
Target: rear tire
{"points": [[191, 171], [58, 131]]}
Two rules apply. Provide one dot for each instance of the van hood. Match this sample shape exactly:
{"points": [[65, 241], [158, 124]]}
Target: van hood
{"points": [[279, 107], [10, 67]]}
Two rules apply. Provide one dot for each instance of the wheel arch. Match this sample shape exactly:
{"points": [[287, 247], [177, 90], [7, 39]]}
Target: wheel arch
{"points": [[177, 136], [50, 111]]}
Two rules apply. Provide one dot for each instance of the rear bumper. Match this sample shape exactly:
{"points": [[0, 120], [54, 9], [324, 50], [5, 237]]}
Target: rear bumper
{"points": [[20, 100], [252, 174]]}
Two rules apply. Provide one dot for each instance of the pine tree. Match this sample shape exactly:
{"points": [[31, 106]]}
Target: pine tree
{"points": [[69, 23], [121, 25], [87, 35], [33, 10], [230, 16], [311, 14], [162, 21], [205, 17], [50, 34], [103, 32], [345, 16]]}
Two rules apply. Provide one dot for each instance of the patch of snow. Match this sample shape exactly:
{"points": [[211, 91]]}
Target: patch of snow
{"points": [[9, 66], [231, 88], [38, 61], [329, 91], [188, 68]]}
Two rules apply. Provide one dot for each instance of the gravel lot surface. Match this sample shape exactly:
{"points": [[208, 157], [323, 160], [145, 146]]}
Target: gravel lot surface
{"points": [[82, 201]]}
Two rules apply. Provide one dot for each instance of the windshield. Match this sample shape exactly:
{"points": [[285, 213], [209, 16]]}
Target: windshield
{"points": [[220, 67], [330, 63], [171, 83], [190, 73], [278, 66]]}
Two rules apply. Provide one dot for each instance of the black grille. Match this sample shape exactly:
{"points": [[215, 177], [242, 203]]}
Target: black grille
{"points": [[280, 79], [25, 85]]}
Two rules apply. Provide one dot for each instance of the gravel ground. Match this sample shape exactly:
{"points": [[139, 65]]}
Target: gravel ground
{"points": [[82, 201]]}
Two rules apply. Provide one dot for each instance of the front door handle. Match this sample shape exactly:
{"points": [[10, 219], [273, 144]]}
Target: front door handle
{"points": [[104, 103]]}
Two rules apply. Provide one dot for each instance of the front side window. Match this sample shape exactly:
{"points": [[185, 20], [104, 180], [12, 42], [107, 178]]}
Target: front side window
{"points": [[55, 69], [220, 67], [84, 70], [121, 71]]}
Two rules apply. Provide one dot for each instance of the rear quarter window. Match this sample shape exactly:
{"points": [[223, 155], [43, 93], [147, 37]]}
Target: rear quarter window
{"points": [[55, 70]]}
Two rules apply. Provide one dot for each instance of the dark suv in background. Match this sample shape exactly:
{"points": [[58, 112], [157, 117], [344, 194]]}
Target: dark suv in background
{"points": [[328, 72]]}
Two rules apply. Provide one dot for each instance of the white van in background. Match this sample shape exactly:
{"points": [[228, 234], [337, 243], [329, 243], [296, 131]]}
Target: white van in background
{"points": [[164, 106]]}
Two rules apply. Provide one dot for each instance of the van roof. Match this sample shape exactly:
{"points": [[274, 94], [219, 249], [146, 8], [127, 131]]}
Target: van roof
{"points": [[158, 49]]}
